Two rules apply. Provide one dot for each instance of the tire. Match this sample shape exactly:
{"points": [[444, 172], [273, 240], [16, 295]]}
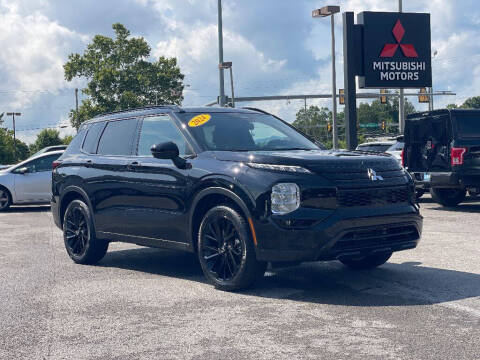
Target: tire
{"points": [[366, 262], [226, 251], [448, 197], [419, 193], [5, 199], [79, 235]]}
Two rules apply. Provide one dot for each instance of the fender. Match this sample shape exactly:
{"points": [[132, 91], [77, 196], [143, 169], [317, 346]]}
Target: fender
{"points": [[75, 189], [219, 191]]}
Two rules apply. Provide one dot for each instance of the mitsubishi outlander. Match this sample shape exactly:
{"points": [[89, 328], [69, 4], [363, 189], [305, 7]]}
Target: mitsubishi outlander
{"points": [[239, 187]]}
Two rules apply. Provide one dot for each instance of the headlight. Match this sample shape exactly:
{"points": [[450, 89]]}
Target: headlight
{"points": [[284, 168], [285, 198]]}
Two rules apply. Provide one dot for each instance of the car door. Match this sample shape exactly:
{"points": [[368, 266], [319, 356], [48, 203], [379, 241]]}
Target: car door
{"points": [[106, 175], [159, 189], [35, 185]]}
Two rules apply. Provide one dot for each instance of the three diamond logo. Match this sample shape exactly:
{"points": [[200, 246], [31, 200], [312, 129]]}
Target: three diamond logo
{"points": [[389, 50]]}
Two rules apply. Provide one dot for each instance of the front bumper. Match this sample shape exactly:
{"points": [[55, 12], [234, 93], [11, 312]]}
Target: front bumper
{"points": [[345, 233]]}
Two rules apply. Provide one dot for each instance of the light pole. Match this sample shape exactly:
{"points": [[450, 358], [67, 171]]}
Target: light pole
{"points": [[228, 65], [331, 10], [13, 114], [221, 99]]}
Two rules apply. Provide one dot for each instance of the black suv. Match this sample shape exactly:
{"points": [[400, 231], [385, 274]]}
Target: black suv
{"points": [[442, 149], [238, 186]]}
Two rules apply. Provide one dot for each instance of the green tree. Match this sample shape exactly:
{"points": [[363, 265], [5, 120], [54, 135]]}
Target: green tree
{"points": [[46, 137], [471, 103], [67, 139], [313, 121], [452, 106], [121, 77], [7, 150]]}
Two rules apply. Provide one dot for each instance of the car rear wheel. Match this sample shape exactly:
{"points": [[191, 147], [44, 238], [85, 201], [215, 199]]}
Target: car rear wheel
{"points": [[5, 199], [226, 251], [448, 197], [79, 235], [366, 262]]}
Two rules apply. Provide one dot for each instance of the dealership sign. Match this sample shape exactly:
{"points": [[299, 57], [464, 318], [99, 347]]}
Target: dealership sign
{"points": [[395, 50]]}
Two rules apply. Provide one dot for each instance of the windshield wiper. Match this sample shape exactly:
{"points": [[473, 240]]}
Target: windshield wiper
{"points": [[293, 148]]}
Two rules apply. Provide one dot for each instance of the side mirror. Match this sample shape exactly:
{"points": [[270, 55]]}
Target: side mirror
{"points": [[169, 150], [22, 170]]}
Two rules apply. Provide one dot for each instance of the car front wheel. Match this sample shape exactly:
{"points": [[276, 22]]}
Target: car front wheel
{"points": [[366, 262], [79, 235], [226, 251]]}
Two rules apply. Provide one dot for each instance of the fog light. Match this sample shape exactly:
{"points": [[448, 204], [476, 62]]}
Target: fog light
{"points": [[285, 198]]}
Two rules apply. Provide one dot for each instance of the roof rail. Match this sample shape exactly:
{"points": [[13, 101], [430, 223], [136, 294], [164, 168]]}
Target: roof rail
{"points": [[172, 107]]}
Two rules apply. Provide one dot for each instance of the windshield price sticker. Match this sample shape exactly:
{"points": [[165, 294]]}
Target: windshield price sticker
{"points": [[199, 120]]}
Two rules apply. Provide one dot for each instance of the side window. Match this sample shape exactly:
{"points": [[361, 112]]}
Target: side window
{"points": [[160, 129], [117, 138], [75, 143], [91, 140], [41, 164]]}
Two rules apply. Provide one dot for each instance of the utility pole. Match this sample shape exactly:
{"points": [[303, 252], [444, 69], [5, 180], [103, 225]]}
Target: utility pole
{"points": [[221, 99], [401, 100], [76, 100], [229, 65], [13, 114]]}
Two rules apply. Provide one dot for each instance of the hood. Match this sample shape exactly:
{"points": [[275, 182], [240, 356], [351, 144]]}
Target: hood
{"points": [[316, 160]]}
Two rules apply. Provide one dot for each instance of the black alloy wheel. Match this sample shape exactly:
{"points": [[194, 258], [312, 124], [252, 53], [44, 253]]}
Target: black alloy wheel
{"points": [[76, 231], [226, 251], [79, 235], [5, 199]]}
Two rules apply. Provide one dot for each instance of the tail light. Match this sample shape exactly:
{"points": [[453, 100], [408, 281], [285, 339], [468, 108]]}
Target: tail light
{"points": [[55, 164], [403, 157], [457, 155]]}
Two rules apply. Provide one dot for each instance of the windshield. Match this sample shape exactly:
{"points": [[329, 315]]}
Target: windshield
{"points": [[398, 146], [468, 125], [244, 132]]}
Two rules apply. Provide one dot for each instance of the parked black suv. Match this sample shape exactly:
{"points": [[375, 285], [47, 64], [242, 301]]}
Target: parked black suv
{"points": [[238, 186], [442, 148]]}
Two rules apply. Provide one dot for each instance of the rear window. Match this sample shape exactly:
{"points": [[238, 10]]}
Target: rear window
{"points": [[76, 142], [374, 148], [91, 140], [468, 125], [117, 138]]}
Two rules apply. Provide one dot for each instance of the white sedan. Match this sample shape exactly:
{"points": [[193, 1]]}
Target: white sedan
{"points": [[29, 182]]}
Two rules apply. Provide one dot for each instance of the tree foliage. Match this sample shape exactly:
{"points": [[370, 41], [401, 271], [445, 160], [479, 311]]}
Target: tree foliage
{"points": [[471, 103], [7, 151], [46, 137], [121, 77]]}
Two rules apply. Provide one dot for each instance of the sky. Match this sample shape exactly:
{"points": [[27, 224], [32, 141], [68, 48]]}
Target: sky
{"points": [[276, 47]]}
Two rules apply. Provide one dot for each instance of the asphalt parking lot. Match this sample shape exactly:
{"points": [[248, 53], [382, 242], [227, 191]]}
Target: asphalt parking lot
{"points": [[141, 303]]}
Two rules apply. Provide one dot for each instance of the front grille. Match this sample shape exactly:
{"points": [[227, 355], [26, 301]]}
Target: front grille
{"points": [[373, 197], [377, 237]]}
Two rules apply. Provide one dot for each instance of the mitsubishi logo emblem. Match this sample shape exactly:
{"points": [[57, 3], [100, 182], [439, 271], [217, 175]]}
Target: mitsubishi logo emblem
{"points": [[372, 175], [389, 50]]}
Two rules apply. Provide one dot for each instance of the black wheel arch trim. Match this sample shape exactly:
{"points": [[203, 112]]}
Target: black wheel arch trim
{"points": [[217, 190], [78, 190]]}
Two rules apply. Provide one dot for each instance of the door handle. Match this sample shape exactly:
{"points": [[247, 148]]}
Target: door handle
{"points": [[88, 163], [131, 166]]}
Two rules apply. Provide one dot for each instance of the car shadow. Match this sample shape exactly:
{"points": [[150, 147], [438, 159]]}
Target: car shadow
{"points": [[27, 208], [393, 284]]}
